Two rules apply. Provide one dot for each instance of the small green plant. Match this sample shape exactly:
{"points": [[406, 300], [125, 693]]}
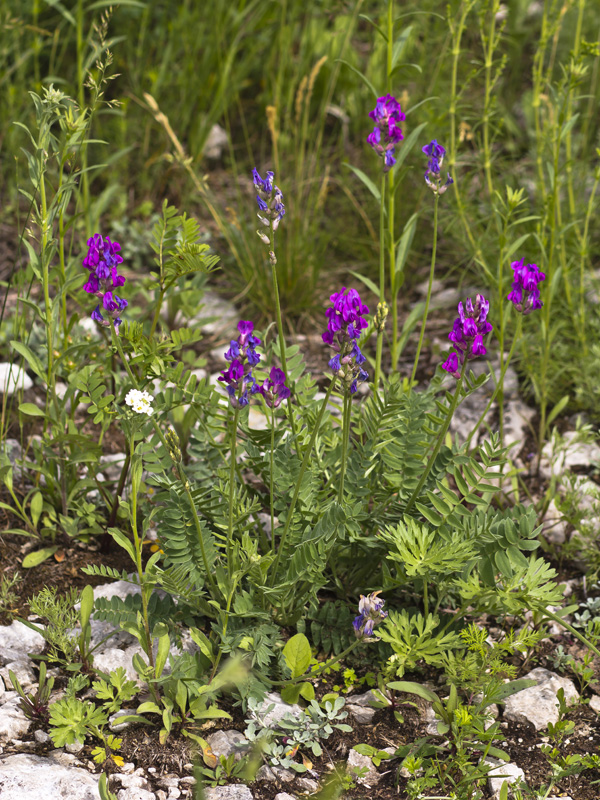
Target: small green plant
{"points": [[72, 719], [116, 691], [8, 597], [35, 706], [60, 617]]}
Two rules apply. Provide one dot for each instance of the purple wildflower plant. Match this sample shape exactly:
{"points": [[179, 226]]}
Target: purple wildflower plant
{"points": [[270, 203], [370, 613], [242, 357], [345, 322], [467, 334], [435, 152], [525, 294], [102, 261], [387, 132], [273, 388]]}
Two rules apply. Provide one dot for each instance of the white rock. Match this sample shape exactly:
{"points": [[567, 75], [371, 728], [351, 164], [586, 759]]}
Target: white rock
{"points": [[555, 527], [266, 773], [223, 315], [371, 777], [131, 781], [558, 458], [595, 703], [279, 710], [23, 672], [538, 704], [12, 378], [517, 418], [510, 774], [216, 141], [285, 796], [135, 794], [113, 720], [74, 748], [29, 777], [114, 657], [112, 464], [41, 737], [307, 784], [13, 723], [17, 640], [232, 792], [363, 715], [257, 421], [224, 743]]}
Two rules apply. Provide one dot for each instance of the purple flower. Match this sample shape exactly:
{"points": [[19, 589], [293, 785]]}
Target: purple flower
{"points": [[242, 356], [525, 294], [433, 178], [270, 202], [370, 613], [467, 334], [102, 260], [274, 389], [387, 132], [345, 321]]}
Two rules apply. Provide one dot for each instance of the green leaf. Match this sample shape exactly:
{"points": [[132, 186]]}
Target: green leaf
{"points": [[297, 654], [307, 691], [557, 409], [363, 78], [86, 606], [409, 687], [31, 358], [31, 410], [164, 644], [367, 182], [291, 693], [367, 282], [36, 507], [123, 541], [404, 244], [35, 558]]}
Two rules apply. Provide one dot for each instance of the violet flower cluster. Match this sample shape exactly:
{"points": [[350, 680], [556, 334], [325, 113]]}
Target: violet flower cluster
{"points": [[102, 261], [525, 294], [433, 178], [270, 203], [239, 381], [467, 334], [386, 134], [370, 613], [344, 325]]}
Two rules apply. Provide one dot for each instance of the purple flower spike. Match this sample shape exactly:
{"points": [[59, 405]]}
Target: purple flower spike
{"points": [[274, 389], [387, 132], [242, 356], [370, 613], [345, 321], [525, 294], [270, 203], [433, 177], [102, 261], [467, 334]]}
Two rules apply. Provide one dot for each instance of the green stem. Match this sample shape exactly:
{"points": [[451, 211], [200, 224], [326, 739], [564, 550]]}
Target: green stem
{"points": [[303, 467], [381, 281], [157, 313], [440, 439], [429, 287], [345, 437], [231, 490], [499, 383], [280, 331]]}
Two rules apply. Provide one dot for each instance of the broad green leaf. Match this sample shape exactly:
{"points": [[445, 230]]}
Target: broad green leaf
{"points": [[297, 654], [31, 358], [36, 507], [366, 181], [409, 687], [367, 282], [35, 558], [31, 410]]}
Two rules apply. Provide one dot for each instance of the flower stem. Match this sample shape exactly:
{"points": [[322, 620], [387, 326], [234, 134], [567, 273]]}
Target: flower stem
{"points": [[303, 467], [428, 300], [440, 439], [498, 391], [381, 281], [345, 436], [231, 490]]}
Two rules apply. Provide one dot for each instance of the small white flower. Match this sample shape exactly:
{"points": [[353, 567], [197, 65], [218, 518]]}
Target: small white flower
{"points": [[139, 401]]}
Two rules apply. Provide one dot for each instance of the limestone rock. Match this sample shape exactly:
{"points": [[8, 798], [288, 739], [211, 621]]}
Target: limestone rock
{"points": [[595, 703], [279, 710], [135, 794], [16, 641], [358, 705], [232, 792], [22, 671], [13, 378], [266, 773], [285, 796], [13, 723], [538, 704], [29, 777], [502, 773], [355, 760], [224, 743]]}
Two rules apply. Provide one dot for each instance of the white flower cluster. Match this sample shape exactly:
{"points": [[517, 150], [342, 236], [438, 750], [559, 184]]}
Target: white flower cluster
{"points": [[139, 401]]}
